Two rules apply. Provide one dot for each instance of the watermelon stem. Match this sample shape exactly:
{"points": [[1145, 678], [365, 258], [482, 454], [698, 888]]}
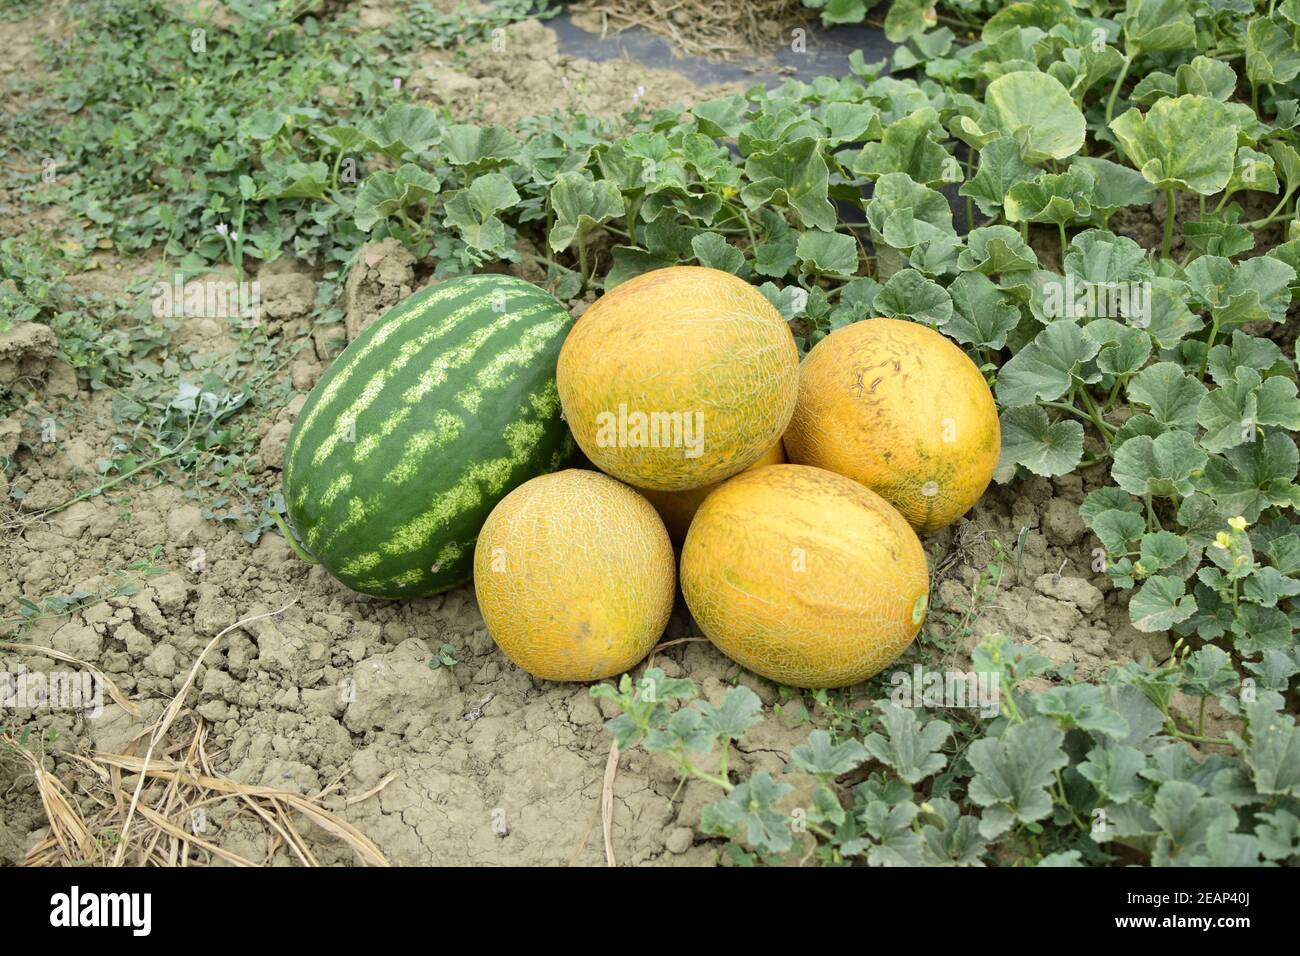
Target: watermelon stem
{"points": [[289, 537]]}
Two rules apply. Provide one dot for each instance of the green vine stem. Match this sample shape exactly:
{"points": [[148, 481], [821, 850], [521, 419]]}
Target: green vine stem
{"points": [[1114, 90], [293, 541], [1171, 210]]}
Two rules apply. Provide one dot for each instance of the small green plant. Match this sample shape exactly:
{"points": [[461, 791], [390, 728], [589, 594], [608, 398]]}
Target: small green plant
{"points": [[1079, 773], [131, 579], [446, 657]]}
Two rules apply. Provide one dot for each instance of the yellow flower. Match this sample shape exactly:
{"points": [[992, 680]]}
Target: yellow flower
{"points": [[1238, 523], [1222, 540]]}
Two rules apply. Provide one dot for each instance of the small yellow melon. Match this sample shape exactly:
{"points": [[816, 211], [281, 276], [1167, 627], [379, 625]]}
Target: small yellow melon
{"points": [[677, 508], [574, 576], [898, 407], [678, 378], [804, 576]]}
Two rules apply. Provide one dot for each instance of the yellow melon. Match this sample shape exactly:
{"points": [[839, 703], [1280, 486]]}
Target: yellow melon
{"points": [[804, 576], [901, 409], [574, 576], [677, 508], [678, 378]]}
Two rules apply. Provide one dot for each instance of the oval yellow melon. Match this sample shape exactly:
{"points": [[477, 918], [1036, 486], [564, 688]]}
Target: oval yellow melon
{"points": [[899, 408], [574, 576], [678, 378], [804, 576], [677, 508]]}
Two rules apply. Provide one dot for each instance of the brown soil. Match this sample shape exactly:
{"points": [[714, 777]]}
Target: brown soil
{"points": [[524, 74]]}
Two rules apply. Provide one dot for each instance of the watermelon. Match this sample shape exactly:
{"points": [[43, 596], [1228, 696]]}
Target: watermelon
{"points": [[432, 415]]}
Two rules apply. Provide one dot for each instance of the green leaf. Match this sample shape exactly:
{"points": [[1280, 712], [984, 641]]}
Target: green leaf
{"points": [[1279, 835], [1046, 449], [1170, 393], [1276, 404], [1116, 186], [1245, 350], [905, 19], [1117, 529], [684, 731], [795, 175], [472, 211], [1257, 629], [908, 746], [824, 758], [983, 314], [844, 11], [297, 180], [747, 814], [1045, 368], [714, 252], [850, 122], [403, 128], [1113, 772], [343, 139], [1081, 68], [1187, 142], [1153, 26], [1082, 707], [1037, 112], [1099, 257], [826, 808], [630, 262], [466, 145], [1161, 550], [721, 118], [1273, 752], [1250, 478], [379, 197], [1228, 414], [1123, 351], [904, 212], [1187, 817], [955, 841], [776, 257], [385, 194], [1160, 466], [740, 710], [1267, 586], [1271, 53], [1219, 234], [1160, 603], [909, 295], [580, 204], [996, 250], [1253, 170], [1256, 290], [1061, 198], [1107, 498], [911, 145], [1013, 774], [1000, 168], [827, 253]]}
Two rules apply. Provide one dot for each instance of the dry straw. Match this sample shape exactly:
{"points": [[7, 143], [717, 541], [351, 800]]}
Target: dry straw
{"points": [[716, 29], [139, 810]]}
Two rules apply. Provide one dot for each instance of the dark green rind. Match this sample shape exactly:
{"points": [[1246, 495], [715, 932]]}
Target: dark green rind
{"points": [[381, 511]]}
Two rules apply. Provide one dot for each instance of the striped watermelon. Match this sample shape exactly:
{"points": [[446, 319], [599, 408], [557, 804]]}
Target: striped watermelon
{"points": [[431, 416]]}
